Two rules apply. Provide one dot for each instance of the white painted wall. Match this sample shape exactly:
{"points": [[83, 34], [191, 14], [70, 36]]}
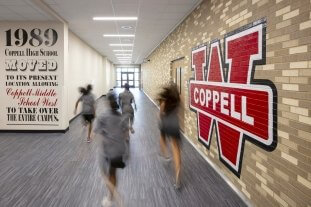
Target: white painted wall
{"points": [[110, 75], [86, 66]]}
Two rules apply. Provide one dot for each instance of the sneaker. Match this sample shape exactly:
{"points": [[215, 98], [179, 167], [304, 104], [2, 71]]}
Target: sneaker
{"points": [[88, 140], [106, 202], [177, 185]]}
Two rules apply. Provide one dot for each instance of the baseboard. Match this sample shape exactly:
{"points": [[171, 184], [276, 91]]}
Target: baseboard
{"points": [[215, 167], [151, 99], [34, 131], [73, 118]]}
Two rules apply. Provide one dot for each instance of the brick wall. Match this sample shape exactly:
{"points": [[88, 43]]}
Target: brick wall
{"points": [[281, 177]]}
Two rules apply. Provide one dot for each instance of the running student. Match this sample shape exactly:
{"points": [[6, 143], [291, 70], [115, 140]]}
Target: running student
{"points": [[169, 126], [113, 131], [126, 99], [88, 108]]}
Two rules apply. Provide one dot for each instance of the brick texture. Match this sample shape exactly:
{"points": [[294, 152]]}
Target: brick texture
{"points": [[281, 177]]}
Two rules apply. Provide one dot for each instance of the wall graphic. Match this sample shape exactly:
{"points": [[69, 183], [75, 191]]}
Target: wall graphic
{"points": [[31, 77], [227, 98]]}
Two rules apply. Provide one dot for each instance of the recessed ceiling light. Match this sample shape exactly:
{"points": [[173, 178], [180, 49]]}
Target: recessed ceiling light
{"points": [[113, 18], [126, 40], [119, 35], [123, 50], [127, 27], [121, 44]]}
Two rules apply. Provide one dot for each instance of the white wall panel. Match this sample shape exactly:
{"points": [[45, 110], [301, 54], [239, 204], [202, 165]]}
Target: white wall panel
{"points": [[85, 66]]}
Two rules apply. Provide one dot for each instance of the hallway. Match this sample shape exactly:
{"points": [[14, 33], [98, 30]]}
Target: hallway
{"points": [[55, 169]]}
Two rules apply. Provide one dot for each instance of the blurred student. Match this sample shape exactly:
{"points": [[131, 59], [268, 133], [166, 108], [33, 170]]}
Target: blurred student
{"points": [[126, 99], [113, 131], [88, 108], [169, 126]]}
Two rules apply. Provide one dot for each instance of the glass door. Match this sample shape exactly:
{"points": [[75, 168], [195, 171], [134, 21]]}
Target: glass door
{"points": [[123, 79], [127, 77], [130, 79]]}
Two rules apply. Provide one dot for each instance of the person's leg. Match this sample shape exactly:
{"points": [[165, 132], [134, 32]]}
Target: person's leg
{"points": [[177, 160], [112, 182], [131, 123], [163, 146], [89, 131]]}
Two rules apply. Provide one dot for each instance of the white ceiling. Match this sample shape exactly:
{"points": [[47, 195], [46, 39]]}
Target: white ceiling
{"points": [[156, 18]]}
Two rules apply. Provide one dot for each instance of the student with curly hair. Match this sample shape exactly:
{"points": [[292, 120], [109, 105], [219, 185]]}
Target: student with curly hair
{"points": [[169, 126]]}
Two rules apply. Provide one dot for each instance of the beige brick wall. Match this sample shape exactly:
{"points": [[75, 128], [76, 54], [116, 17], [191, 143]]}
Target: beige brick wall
{"points": [[281, 177]]}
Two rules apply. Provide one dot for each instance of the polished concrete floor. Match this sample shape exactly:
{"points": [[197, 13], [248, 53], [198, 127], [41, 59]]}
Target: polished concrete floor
{"points": [[54, 169]]}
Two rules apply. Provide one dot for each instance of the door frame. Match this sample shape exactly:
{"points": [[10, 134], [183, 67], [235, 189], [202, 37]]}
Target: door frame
{"points": [[173, 75]]}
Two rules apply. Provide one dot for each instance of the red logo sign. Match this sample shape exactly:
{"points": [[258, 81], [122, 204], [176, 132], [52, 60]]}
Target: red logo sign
{"points": [[227, 98]]}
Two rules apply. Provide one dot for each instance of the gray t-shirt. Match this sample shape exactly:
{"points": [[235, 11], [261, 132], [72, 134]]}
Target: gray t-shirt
{"points": [[88, 104], [113, 129], [126, 99]]}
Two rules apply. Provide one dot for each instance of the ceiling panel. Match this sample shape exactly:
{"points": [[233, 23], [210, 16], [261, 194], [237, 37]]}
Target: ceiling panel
{"points": [[13, 2], [21, 10], [156, 18]]}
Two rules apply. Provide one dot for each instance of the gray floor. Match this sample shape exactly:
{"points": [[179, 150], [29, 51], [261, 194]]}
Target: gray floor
{"points": [[54, 169]]}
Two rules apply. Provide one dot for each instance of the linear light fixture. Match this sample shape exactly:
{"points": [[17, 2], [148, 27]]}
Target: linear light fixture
{"points": [[127, 27], [122, 50], [119, 35], [121, 44], [123, 54], [114, 18]]}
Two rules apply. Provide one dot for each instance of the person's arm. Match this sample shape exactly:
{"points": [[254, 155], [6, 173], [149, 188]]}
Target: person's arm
{"points": [[162, 106], [94, 106], [120, 101], [76, 106], [133, 101], [94, 109]]}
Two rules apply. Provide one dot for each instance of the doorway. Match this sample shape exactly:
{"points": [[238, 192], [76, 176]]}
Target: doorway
{"points": [[127, 77], [130, 75], [177, 76]]}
